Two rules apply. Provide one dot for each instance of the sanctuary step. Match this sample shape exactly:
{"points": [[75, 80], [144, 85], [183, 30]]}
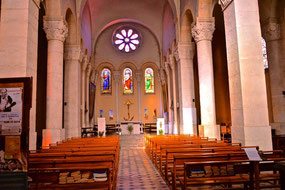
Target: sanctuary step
{"points": [[131, 141]]}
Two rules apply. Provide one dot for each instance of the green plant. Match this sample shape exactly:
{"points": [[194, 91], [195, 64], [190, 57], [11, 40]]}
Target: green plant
{"points": [[130, 128], [101, 133], [160, 131]]}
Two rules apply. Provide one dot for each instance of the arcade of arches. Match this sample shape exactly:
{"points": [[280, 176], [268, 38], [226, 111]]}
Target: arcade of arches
{"points": [[193, 62]]}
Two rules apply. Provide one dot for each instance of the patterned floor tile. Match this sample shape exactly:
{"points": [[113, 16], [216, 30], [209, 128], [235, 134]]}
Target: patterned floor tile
{"points": [[135, 169]]}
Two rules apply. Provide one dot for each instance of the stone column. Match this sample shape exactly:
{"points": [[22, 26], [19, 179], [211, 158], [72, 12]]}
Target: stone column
{"points": [[56, 31], [175, 98], [170, 110], [83, 85], [18, 48], [184, 54], [72, 92], [88, 72], [117, 77], [203, 34], [139, 77], [249, 110], [272, 35]]}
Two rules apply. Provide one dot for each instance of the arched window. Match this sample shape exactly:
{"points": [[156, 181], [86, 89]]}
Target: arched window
{"points": [[148, 81], [264, 51], [106, 82], [128, 81]]}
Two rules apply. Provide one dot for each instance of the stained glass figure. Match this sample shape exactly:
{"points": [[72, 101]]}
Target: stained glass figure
{"points": [[128, 81], [106, 81], [264, 51], [126, 39], [149, 80]]}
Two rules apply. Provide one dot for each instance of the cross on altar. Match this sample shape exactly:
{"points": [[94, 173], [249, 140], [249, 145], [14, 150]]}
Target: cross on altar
{"points": [[128, 103]]}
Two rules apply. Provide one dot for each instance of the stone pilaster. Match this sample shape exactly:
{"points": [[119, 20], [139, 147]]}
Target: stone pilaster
{"points": [[56, 32], [249, 110], [117, 77], [202, 32], [88, 72], [271, 31], [84, 64], [184, 54], [139, 78], [172, 63], [72, 91], [169, 92]]}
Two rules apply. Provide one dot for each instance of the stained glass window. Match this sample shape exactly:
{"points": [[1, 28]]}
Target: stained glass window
{"points": [[264, 51], [128, 81], [126, 39], [149, 80], [106, 81]]}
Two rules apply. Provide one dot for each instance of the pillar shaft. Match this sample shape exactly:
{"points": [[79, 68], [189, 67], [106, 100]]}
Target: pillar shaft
{"points": [[175, 98], [83, 76], [203, 34], [72, 92], [184, 56], [272, 35], [117, 77], [170, 111], [88, 71], [249, 110], [56, 31], [139, 77]]}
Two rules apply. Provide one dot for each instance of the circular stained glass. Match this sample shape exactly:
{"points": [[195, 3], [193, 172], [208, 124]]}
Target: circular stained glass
{"points": [[126, 39]]}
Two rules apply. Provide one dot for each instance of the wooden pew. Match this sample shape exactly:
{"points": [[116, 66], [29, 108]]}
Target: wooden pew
{"points": [[88, 154]]}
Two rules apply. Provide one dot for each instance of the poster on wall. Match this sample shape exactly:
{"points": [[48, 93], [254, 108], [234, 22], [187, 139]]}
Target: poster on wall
{"points": [[11, 105], [92, 90]]}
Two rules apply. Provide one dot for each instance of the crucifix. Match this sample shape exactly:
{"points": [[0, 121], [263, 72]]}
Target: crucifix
{"points": [[128, 103]]}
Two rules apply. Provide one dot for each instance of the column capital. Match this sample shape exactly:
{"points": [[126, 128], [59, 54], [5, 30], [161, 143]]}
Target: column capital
{"points": [[225, 3], [88, 69], [162, 76], [117, 75], [271, 30], [138, 75], [55, 29], [203, 29], [184, 51], [73, 53], [171, 61], [167, 68]]}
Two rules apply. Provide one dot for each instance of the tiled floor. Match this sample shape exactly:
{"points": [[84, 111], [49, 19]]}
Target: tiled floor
{"points": [[135, 169]]}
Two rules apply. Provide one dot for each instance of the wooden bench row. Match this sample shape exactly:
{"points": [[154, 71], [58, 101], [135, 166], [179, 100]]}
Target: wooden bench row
{"points": [[49, 168], [206, 161]]}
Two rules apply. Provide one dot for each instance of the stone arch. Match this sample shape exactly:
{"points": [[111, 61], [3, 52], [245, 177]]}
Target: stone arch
{"points": [[187, 21], [125, 21], [71, 23], [86, 27], [128, 64]]}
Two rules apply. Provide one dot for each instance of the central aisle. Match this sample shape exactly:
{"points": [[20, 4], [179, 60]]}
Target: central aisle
{"points": [[135, 169]]}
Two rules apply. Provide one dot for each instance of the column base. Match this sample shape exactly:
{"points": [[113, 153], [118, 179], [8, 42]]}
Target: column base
{"points": [[211, 131], [253, 136], [33, 140], [52, 136], [279, 127], [72, 133], [258, 136]]}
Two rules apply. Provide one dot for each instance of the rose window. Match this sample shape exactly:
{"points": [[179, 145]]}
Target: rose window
{"points": [[126, 39]]}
